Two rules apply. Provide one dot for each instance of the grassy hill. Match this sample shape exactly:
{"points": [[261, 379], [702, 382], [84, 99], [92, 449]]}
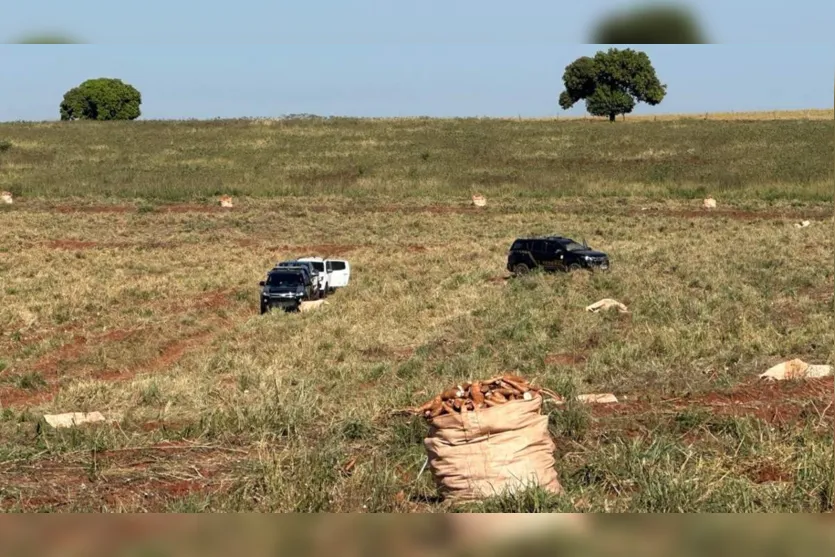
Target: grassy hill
{"points": [[140, 300], [421, 158]]}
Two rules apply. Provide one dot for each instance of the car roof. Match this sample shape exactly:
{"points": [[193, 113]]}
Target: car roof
{"points": [[284, 270], [555, 238]]}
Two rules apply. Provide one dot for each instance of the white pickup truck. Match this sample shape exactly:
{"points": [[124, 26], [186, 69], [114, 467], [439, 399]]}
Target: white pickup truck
{"points": [[333, 273]]}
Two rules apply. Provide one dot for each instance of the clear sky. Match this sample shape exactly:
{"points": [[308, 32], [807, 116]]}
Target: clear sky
{"points": [[511, 79], [395, 21]]}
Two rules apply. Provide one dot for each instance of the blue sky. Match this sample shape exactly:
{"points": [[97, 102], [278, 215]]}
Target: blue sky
{"points": [[396, 21], [499, 79]]}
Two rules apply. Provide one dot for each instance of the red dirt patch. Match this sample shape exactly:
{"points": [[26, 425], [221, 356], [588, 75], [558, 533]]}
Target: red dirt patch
{"points": [[735, 214], [403, 353], [70, 244], [246, 242], [68, 351], [169, 355], [175, 350], [145, 479], [433, 209], [321, 250], [565, 359], [787, 313], [766, 472], [214, 300], [190, 208], [48, 366], [822, 294], [779, 402], [118, 335], [94, 208], [211, 300], [416, 248]]}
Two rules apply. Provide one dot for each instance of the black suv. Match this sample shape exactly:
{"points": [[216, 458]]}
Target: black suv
{"points": [[285, 288], [314, 274], [553, 253]]}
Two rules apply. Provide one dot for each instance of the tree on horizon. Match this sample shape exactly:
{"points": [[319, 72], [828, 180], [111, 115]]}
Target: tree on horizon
{"points": [[611, 82]]}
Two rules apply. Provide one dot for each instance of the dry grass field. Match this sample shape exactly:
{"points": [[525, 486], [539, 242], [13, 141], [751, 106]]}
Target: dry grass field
{"points": [[810, 114], [126, 289]]}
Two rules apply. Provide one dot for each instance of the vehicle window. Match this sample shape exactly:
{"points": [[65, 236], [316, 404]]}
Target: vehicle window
{"points": [[338, 265], [554, 247], [284, 279], [518, 245], [319, 266], [571, 245], [539, 245]]}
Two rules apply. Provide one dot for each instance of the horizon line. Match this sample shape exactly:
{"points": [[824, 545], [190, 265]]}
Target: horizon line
{"points": [[776, 114]]}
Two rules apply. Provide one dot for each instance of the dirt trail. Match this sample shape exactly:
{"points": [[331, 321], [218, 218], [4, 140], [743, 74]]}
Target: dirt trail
{"points": [[737, 214], [777, 403], [685, 210], [67, 362], [70, 244], [120, 209], [144, 479]]}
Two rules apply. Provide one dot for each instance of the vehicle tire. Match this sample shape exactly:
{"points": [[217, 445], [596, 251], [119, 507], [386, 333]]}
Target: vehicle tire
{"points": [[323, 293], [264, 309], [574, 267], [521, 269]]}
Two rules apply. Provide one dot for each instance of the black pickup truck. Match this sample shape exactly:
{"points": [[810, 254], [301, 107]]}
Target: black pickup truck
{"points": [[553, 253], [285, 288]]}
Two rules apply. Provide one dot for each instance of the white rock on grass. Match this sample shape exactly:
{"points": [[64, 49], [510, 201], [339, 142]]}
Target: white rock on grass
{"points": [[605, 304], [601, 398], [71, 419], [309, 306], [795, 369]]}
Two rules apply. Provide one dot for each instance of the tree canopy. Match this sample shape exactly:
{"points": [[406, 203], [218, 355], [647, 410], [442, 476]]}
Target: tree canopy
{"points": [[664, 24], [101, 99], [611, 82]]}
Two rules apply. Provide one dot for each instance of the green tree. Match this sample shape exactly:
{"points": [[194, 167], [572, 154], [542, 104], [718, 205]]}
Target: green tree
{"points": [[611, 82], [101, 99], [653, 24], [46, 38]]}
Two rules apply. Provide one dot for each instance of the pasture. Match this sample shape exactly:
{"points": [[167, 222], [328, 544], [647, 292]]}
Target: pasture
{"points": [[126, 289]]}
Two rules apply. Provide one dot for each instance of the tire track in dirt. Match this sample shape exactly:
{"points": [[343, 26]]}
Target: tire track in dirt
{"points": [[121, 209], [735, 214], [457, 208], [140, 478], [69, 244], [72, 353], [777, 403]]}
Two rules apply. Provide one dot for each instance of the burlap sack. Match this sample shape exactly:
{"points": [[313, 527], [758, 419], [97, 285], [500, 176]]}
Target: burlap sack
{"points": [[492, 451]]}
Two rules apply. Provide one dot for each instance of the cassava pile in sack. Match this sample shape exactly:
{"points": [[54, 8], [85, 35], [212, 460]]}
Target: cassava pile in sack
{"points": [[489, 437]]}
